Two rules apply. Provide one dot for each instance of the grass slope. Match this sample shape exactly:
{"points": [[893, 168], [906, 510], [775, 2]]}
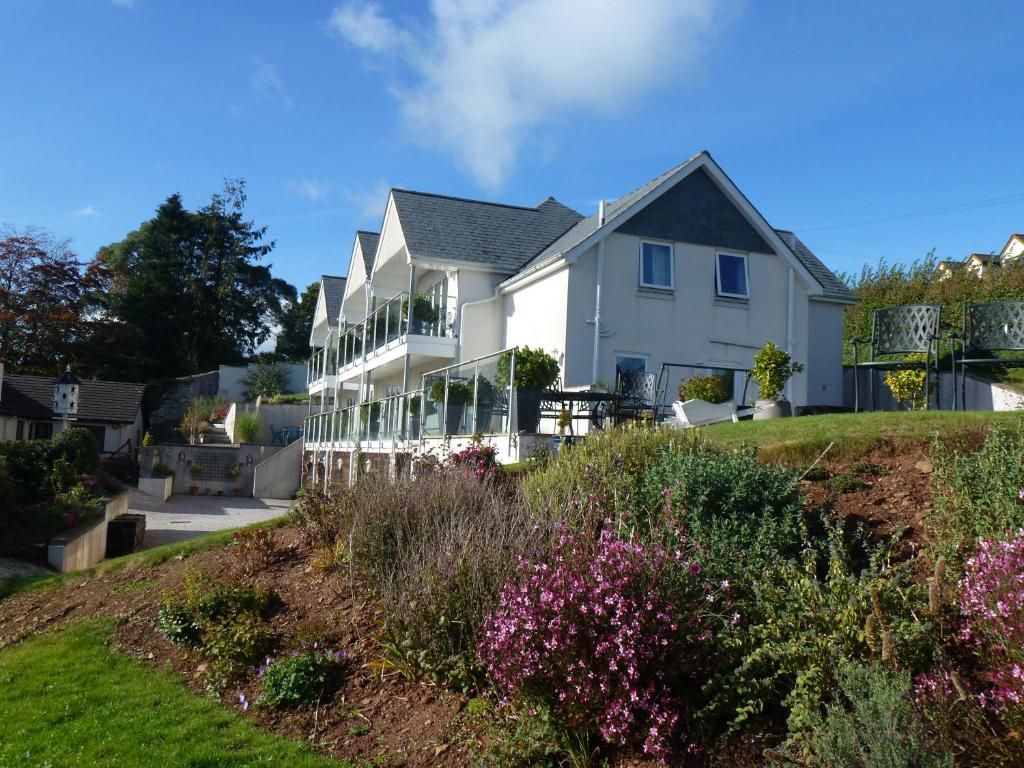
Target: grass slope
{"points": [[68, 698], [803, 438]]}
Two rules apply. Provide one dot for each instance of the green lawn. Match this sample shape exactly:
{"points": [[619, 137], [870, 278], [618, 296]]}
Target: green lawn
{"points": [[803, 438], [67, 698]]}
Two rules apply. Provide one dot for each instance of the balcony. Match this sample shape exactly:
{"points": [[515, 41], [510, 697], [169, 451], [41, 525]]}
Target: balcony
{"points": [[321, 369], [475, 397], [386, 334]]}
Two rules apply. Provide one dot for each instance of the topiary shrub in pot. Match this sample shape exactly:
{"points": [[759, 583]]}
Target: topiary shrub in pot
{"points": [[369, 414], [414, 415], [535, 371], [772, 369], [711, 389], [460, 392]]}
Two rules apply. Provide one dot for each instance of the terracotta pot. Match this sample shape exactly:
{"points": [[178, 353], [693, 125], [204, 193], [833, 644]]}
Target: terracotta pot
{"points": [[194, 490], [772, 409], [238, 492]]}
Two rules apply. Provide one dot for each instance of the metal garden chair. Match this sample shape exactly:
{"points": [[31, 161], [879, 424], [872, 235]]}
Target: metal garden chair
{"points": [[995, 326], [639, 393], [910, 329]]}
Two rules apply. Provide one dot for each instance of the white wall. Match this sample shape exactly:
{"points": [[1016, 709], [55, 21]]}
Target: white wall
{"points": [[687, 325], [535, 315], [230, 385], [825, 353]]}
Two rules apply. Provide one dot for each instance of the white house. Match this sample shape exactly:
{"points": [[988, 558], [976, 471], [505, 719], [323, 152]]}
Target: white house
{"points": [[981, 263], [679, 276], [111, 410]]}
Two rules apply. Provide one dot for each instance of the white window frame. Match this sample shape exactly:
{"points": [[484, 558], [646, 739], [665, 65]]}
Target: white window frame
{"points": [[671, 266], [718, 275]]}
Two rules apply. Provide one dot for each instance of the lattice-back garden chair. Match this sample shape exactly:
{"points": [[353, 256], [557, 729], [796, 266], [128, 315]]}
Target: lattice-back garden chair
{"points": [[909, 329], [995, 326], [639, 391]]}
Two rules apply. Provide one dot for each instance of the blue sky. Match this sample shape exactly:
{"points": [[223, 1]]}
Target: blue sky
{"points": [[827, 115]]}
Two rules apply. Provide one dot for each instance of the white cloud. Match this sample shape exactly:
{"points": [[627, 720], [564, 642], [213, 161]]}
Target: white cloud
{"points": [[370, 202], [266, 81], [484, 75], [313, 190], [86, 212], [363, 26]]}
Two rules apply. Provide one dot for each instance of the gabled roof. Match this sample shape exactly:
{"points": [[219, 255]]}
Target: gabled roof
{"points": [[31, 397], [832, 286], [503, 237], [368, 245], [333, 289]]}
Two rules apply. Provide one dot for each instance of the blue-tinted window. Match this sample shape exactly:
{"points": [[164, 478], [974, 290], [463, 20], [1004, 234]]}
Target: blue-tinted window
{"points": [[656, 265], [732, 276]]}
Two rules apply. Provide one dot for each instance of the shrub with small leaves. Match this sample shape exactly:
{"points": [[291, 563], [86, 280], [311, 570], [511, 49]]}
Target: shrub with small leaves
{"points": [[589, 633], [302, 678], [254, 548], [712, 389], [907, 384]]}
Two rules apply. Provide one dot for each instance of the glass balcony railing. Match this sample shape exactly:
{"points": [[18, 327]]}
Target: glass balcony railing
{"points": [[323, 362], [432, 315]]}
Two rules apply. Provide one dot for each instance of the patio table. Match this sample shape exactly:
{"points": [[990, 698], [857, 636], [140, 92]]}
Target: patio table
{"points": [[581, 404]]}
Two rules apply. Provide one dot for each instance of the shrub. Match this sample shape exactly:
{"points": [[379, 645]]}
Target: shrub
{"points": [[977, 495], [317, 516], [78, 447], [713, 389], [225, 623], [477, 458], [247, 427], [589, 633], [907, 384], [290, 398], [745, 515], [254, 548], [534, 369], [877, 726], [148, 441], [264, 380], [459, 392], [772, 369], [992, 604], [302, 678]]}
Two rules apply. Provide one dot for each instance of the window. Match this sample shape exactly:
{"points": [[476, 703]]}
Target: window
{"points": [[656, 265], [626, 364], [731, 276], [20, 431], [42, 430]]}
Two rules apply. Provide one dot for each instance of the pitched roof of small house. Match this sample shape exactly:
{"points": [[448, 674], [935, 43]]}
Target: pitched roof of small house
{"points": [[333, 288], [443, 228], [31, 397], [368, 245]]}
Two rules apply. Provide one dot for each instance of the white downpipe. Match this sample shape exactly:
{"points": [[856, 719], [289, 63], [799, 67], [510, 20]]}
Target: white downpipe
{"points": [[790, 325], [476, 303], [597, 298]]}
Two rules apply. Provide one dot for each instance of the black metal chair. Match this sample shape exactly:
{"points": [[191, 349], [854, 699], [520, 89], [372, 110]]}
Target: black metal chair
{"points": [[910, 329], [995, 326], [639, 392]]}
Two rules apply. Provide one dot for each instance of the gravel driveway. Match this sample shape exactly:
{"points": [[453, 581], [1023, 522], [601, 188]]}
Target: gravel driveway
{"points": [[185, 517]]}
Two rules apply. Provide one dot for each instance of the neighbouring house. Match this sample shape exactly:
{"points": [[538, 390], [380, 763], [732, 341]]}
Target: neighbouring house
{"points": [[980, 263], [111, 410], [682, 271]]}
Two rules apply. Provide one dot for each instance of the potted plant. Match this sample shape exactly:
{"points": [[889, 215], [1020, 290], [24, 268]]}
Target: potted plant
{"points": [[235, 470], [484, 403], [711, 389], [369, 414], [415, 403], [196, 471], [772, 369], [460, 392], [424, 313], [535, 371]]}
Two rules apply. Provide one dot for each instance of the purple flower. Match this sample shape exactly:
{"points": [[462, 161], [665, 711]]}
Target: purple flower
{"points": [[243, 700]]}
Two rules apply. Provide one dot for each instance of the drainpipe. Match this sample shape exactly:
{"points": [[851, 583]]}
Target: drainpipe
{"points": [[462, 315], [597, 296], [790, 325]]}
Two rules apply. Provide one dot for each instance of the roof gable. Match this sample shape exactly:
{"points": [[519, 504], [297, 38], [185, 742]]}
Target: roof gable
{"points": [[31, 397], [368, 247], [696, 210], [332, 289]]}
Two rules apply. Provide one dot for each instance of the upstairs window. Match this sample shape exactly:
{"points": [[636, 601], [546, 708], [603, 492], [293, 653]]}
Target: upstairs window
{"points": [[731, 276], [656, 265]]}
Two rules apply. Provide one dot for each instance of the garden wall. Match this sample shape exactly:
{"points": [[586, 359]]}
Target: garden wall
{"points": [[215, 461], [86, 545], [982, 395]]}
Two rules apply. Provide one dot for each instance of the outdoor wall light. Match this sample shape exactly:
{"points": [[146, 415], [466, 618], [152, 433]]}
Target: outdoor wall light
{"points": [[248, 460], [181, 456]]}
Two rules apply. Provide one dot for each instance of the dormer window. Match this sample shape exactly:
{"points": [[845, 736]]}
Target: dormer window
{"points": [[731, 276], [656, 266]]}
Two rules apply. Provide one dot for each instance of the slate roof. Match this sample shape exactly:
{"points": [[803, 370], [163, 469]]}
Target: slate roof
{"points": [[31, 397], [334, 293], [368, 245], [833, 287], [506, 237]]}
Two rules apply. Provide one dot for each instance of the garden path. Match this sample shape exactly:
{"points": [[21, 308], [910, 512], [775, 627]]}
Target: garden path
{"points": [[185, 517]]}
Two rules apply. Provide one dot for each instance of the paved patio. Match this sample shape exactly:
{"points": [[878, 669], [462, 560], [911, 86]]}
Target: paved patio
{"points": [[185, 517]]}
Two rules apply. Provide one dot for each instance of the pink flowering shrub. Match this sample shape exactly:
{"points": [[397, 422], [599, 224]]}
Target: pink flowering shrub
{"points": [[992, 605], [478, 458], [590, 634]]}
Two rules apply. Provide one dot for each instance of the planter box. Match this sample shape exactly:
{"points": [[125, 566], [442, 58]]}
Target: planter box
{"points": [[86, 545], [157, 486]]}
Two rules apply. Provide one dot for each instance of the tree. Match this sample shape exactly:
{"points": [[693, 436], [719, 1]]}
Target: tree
{"points": [[266, 380], [297, 324], [43, 307], [187, 290]]}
